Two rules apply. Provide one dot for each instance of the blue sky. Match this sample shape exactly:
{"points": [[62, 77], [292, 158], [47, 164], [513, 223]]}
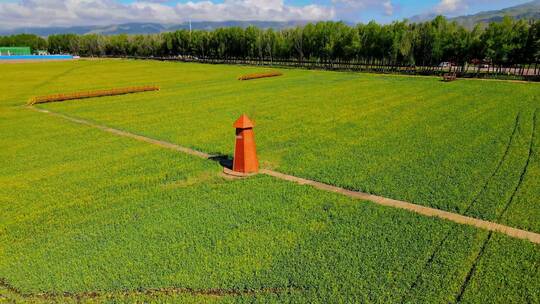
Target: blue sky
{"points": [[27, 13]]}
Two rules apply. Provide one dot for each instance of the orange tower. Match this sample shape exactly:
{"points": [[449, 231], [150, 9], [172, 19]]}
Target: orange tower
{"points": [[245, 155]]}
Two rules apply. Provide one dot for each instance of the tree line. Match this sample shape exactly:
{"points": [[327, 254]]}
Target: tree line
{"points": [[427, 43]]}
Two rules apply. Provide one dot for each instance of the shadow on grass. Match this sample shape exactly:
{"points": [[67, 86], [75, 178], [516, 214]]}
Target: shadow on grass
{"points": [[224, 160]]}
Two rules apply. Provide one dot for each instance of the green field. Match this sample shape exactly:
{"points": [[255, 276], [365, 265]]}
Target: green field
{"points": [[87, 211]]}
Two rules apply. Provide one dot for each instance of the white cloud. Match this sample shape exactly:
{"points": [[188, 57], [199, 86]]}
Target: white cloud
{"points": [[274, 10], [388, 8], [351, 7], [30, 13], [451, 6], [456, 7]]}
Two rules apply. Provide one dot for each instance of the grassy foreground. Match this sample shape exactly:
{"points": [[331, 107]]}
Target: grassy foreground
{"points": [[85, 211]]}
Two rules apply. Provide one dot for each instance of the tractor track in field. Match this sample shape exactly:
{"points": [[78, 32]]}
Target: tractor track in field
{"points": [[498, 167], [426, 211], [473, 201], [473, 268], [57, 76], [47, 81], [525, 168], [212, 292], [426, 265]]}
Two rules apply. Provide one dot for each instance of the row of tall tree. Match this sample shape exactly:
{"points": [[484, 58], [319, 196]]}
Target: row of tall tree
{"points": [[34, 42], [402, 42]]}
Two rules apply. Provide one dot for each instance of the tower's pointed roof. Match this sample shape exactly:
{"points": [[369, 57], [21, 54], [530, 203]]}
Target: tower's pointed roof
{"points": [[243, 122]]}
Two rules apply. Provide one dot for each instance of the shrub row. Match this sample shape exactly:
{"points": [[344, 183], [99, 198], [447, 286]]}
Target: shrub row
{"points": [[259, 75], [90, 94]]}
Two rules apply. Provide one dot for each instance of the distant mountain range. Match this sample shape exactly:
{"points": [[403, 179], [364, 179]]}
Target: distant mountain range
{"points": [[149, 28], [527, 11]]}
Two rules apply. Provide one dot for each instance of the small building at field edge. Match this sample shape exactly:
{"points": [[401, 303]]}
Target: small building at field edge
{"points": [[14, 51]]}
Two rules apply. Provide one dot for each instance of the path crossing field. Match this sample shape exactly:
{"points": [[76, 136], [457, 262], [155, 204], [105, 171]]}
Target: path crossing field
{"points": [[454, 217]]}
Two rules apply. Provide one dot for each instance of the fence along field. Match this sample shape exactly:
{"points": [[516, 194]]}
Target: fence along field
{"points": [[130, 193], [528, 72]]}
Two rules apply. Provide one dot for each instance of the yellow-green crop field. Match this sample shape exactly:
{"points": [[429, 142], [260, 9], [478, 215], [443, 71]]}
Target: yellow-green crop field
{"points": [[89, 216]]}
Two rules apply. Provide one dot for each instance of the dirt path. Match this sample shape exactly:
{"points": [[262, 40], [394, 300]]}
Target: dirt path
{"points": [[454, 217], [427, 211]]}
